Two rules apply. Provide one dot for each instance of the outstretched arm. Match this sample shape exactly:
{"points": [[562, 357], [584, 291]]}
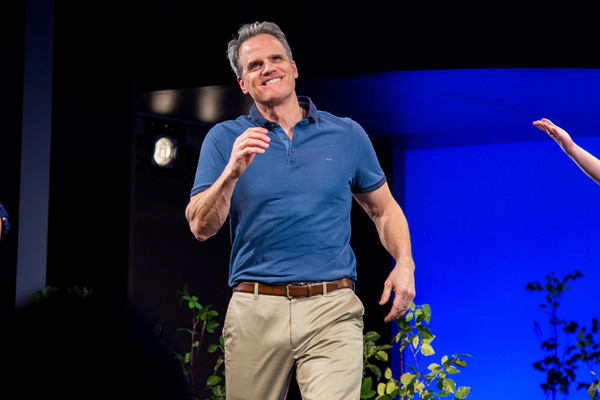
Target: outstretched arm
{"points": [[393, 232], [208, 210], [587, 162]]}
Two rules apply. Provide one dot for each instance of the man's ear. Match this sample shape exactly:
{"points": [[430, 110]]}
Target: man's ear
{"points": [[242, 85], [295, 69]]}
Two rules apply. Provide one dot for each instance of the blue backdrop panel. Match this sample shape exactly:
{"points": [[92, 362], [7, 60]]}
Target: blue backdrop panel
{"points": [[485, 221], [493, 204], [470, 106]]}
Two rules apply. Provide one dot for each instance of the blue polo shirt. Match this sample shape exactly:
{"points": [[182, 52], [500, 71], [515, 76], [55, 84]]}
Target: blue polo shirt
{"points": [[290, 210]]}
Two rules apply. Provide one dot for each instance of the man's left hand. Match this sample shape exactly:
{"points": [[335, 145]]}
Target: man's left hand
{"points": [[401, 281]]}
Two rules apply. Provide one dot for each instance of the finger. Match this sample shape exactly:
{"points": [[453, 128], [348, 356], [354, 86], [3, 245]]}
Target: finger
{"points": [[541, 126], [387, 292], [257, 132], [547, 121], [249, 152], [390, 317], [398, 309], [251, 142]]}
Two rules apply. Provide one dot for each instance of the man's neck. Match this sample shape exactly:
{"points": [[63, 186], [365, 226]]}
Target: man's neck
{"points": [[287, 114]]}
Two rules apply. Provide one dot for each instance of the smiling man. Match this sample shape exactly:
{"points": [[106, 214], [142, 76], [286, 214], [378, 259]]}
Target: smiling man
{"points": [[286, 175]]}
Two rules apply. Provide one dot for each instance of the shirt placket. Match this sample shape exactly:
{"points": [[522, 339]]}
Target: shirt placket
{"points": [[286, 140]]}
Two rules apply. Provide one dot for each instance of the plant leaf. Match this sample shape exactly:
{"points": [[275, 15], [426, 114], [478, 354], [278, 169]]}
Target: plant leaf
{"points": [[213, 380], [391, 387], [212, 348], [382, 355], [460, 362], [462, 392], [452, 370], [434, 367], [372, 336], [425, 333], [427, 350], [365, 390], [388, 373], [449, 386], [415, 341], [407, 378]]}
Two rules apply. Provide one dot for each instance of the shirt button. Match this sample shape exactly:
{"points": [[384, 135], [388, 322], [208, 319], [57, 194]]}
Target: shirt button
{"points": [[293, 150], [284, 137]]}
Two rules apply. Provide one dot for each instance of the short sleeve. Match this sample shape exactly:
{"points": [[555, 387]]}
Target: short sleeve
{"points": [[368, 174], [214, 156]]}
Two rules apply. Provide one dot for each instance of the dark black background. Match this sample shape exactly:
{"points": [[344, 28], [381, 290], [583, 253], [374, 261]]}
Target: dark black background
{"points": [[182, 44]]}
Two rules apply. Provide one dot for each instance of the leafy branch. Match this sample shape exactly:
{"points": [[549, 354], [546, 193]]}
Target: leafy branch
{"points": [[415, 336], [568, 344], [380, 353], [202, 322], [214, 381]]}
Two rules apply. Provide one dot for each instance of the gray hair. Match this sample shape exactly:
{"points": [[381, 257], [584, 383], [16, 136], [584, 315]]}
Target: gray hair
{"points": [[248, 31]]}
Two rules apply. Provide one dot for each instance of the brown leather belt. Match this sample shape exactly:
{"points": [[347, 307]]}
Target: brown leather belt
{"points": [[295, 289]]}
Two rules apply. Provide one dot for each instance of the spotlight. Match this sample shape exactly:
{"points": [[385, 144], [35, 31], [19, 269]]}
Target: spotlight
{"points": [[165, 151]]}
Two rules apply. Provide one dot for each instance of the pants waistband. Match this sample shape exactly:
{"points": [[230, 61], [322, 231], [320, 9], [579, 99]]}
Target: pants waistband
{"points": [[294, 289]]}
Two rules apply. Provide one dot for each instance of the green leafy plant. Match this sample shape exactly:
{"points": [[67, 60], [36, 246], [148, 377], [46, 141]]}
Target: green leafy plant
{"points": [[415, 336], [371, 351], [51, 292], [216, 380], [202, 322], [568, 345]]}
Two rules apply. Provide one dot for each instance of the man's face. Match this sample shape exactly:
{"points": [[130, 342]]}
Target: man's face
{"points": [[268, 74]]}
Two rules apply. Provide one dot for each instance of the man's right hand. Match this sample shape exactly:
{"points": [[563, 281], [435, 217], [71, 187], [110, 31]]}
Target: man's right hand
{"points": [[208, 210], [253, 141]]}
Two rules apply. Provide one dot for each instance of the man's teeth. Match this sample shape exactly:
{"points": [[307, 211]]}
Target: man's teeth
{"points": [[272, 80]]}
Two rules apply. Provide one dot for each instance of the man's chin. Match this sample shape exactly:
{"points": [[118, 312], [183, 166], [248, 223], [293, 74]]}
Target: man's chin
{"points": [[273, 98]]}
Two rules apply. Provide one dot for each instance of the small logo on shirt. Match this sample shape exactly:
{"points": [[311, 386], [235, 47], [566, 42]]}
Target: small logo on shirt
{"points": [[328, 159]]}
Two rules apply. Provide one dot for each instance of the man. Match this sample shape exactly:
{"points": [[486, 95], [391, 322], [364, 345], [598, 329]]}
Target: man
{"points": [[286, 174], [587, 162]]}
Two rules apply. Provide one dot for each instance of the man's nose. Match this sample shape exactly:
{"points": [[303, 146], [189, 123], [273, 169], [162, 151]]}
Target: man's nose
{"points": [[268, 68]]}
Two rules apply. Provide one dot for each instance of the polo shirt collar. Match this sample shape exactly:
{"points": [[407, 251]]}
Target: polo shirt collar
{"points": [[304, 102]]}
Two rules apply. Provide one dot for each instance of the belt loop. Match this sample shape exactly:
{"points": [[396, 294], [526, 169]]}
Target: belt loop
{"points": [[255, 290], [309, 291], [324, 288]]}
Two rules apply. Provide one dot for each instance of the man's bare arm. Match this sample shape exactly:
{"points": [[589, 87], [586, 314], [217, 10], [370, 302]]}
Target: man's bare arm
{"points": [[208, 210], [392, 228]]}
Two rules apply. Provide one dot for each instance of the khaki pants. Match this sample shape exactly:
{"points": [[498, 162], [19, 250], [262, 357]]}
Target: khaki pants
{"points": [[266, 336]]}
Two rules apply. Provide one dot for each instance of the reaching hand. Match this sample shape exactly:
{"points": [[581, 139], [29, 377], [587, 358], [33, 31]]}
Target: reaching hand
{"points": [[559, 135], [586, 161]]}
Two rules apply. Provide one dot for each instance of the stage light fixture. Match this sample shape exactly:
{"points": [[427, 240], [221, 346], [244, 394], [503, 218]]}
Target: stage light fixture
{"points": [[165, 151]]}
